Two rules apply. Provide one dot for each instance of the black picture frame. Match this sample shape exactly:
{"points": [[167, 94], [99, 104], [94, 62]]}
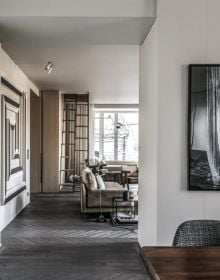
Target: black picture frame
{"points": [[199, 160]]}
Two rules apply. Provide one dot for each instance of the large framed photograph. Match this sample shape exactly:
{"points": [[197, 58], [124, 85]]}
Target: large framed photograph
{"points": [[13, 148], [204, 127]]}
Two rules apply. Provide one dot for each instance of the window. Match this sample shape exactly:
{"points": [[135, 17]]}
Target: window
{"points": [[116, 134]]}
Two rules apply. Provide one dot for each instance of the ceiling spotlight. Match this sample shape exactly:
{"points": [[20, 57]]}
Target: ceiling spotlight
{"points": [[49, 67]]}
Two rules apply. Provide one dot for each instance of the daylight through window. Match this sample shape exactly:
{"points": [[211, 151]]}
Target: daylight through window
{"points": [[116, 134]]}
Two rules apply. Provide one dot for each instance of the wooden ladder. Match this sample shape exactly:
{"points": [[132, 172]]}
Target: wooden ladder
{"points": [[75, 140]]}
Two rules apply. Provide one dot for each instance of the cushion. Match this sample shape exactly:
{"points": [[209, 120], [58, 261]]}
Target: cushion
{"points": [[88, 178], [100, 182], [112, 189], [113, 186]]}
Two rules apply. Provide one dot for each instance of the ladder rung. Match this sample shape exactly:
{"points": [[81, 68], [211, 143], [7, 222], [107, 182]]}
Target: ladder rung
{"points": [[68, 120], [63, 170], [81, 138], [69, 109], [82, 126], [70, 144], [66, 131], [80, 115], [81, 150], [67, 156], [63, 189]]}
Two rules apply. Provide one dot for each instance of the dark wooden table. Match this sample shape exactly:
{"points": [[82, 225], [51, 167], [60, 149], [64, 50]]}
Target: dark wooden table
{"points": [[188, 263]]}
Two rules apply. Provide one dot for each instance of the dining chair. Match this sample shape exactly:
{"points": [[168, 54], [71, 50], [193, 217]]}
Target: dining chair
{"points": [[198, 233]]}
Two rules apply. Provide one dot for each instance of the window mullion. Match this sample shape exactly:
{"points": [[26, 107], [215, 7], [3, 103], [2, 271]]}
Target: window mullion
{"points": [[116, 138], [101, 135]]}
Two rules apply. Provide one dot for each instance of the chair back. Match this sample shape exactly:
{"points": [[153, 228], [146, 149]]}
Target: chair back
{"points": [[198, 233]]}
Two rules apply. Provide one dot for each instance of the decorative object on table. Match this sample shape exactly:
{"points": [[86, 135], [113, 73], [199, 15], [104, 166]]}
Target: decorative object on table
{"points": [[198, 233], [13, 146], [204, 127]]}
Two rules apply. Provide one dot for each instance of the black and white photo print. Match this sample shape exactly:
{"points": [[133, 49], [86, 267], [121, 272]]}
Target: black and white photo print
{"points": [[204, 127]]}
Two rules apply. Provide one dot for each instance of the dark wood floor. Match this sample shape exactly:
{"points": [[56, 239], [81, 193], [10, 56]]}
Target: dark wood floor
{"points": [[50, 240]]}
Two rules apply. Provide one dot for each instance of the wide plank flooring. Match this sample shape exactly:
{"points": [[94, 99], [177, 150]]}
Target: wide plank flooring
{"points": [[50, 240]]}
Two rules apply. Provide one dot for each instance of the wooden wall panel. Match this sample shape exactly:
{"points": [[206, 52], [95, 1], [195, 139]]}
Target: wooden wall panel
{"points": [[35, 143], [50, 141]]}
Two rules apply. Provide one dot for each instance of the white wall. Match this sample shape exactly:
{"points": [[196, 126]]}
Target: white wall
{"points": [[187, 33], [148, 138], [79, 8], [12, 73]]}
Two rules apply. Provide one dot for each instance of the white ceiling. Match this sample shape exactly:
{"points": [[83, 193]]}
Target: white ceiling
{"points": [[109, 72], [93, 43]]}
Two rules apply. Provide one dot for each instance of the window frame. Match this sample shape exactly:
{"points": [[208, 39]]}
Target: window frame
{"points": [[116, 112]]}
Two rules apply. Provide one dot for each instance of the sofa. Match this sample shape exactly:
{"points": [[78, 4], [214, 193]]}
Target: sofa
{"points": [[90, 199]]}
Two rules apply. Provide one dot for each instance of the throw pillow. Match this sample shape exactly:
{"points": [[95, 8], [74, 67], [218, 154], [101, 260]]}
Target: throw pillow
{"points": [[100, 182], [88, 178]]}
